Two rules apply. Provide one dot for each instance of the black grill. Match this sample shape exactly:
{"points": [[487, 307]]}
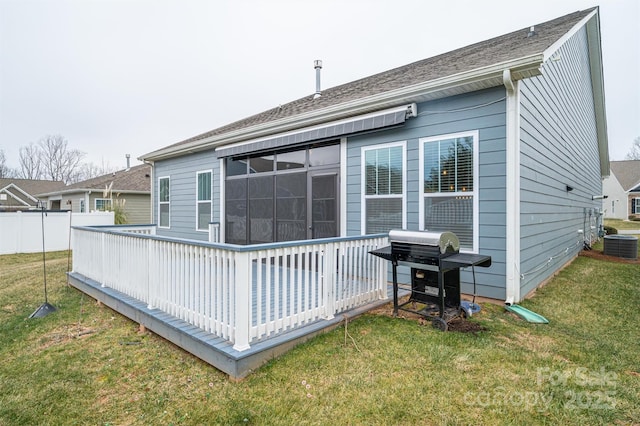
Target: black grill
{"points": [[435, 263]]}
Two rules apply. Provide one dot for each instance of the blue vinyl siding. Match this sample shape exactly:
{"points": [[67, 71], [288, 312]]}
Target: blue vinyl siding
{"points": [[558, 148], [182, 172], [489, 120]]}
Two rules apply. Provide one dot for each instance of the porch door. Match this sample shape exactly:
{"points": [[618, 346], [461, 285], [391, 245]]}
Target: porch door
{"points": [[323, 216]]}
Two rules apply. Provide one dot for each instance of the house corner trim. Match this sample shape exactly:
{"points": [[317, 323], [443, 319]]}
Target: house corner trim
{"points": [[512, 285]]}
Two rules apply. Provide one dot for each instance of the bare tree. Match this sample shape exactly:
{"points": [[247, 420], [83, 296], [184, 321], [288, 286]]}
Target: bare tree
{"points": [[52, 159], [30, 165], [634, 154], [5, 171], [87, 171], [57, 160]]}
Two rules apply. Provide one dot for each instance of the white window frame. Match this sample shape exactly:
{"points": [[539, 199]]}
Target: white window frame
{"points": [[160, 203], [636, 207], [363, 190], [95, 204], [210, 200], [476, 183]]}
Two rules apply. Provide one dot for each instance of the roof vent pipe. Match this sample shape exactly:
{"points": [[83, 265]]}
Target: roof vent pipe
{"points": [[532, 31], [317, 64], [128, 161]]}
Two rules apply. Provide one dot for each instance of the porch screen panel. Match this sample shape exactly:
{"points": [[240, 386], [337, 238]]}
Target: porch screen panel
{"points": [[448, 187], [324, 206], [384, 198], [291, 206], [261, 220], [236, 211]]}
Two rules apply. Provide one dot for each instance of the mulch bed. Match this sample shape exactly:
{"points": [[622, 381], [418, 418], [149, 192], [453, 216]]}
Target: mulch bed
{"points": [[460, 325], [597, 254]]}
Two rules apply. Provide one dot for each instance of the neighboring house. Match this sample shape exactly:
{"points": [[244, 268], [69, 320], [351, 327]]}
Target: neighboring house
{"points": [[21, 194], [622, 189], [503, 142], [131, 186]]}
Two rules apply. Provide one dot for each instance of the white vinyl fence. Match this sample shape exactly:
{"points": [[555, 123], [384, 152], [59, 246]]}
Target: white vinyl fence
{"points": [[21, 232], [240, 293]]}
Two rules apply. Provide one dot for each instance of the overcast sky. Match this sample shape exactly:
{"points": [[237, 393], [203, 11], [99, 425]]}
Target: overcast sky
{"points": [[128, 77]]}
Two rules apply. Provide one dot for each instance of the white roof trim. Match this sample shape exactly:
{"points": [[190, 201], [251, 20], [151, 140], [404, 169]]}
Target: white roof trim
{"points": [[10, 194], [551, 50], [13, 185]]}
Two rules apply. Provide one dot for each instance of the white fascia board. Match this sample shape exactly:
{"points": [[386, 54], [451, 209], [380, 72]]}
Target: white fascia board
{"points": [[530, 64], [89, 190], [597, 86], [17, 188], [551, 50], [12, 195], [67, 191], [592, 24], [632, 187]]}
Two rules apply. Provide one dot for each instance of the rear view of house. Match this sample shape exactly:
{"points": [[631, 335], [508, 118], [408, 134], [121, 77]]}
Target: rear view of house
{"points": [[502, 142], [263, 228]]}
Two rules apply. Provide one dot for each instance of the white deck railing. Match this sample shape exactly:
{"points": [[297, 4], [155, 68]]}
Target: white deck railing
{"points": [[239, 293]]}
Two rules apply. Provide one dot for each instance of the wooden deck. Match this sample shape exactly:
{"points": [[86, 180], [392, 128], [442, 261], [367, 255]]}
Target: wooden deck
{"points": [[213, 350]]}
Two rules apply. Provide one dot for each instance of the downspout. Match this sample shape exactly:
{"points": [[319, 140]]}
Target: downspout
{"points": [[222, 231], [512, 285], [151, 190]]}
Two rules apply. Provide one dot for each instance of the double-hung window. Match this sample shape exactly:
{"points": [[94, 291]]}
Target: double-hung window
{"points": [[163, 202], [635, 207], [203, 208], [103, 204], [383, 181], [449, 186]]}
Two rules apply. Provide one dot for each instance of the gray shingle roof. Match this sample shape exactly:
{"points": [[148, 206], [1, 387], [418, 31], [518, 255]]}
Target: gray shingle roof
{"points": [[136, 179], [497, 50], [31, 186], [627, 172]]}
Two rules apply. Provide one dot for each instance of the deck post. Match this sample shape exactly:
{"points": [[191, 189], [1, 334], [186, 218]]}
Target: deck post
{"points": [[329, 278], [242, 300], [103, 259], [151, 271]]}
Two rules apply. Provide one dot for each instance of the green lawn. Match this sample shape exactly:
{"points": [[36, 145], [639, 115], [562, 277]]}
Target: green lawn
{"points": [[622, 224], [85, 364]]}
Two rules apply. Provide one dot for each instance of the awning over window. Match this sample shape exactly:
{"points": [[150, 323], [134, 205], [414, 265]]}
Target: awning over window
{"points": [[359, 124]]}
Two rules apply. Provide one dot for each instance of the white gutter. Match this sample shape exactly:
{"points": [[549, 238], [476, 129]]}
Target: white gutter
{"points": [[88, 190], [512, 234], [527, 65]]}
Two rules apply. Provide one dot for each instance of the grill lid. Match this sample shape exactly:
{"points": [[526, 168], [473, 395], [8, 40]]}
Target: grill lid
{"points": [[445, 241]]}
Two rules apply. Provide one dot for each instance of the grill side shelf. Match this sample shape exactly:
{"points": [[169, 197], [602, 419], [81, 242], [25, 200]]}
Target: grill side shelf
{"points": [[463, 260]]}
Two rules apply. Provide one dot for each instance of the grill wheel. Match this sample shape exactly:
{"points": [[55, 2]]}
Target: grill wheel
{"points": [[440, 324]]}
